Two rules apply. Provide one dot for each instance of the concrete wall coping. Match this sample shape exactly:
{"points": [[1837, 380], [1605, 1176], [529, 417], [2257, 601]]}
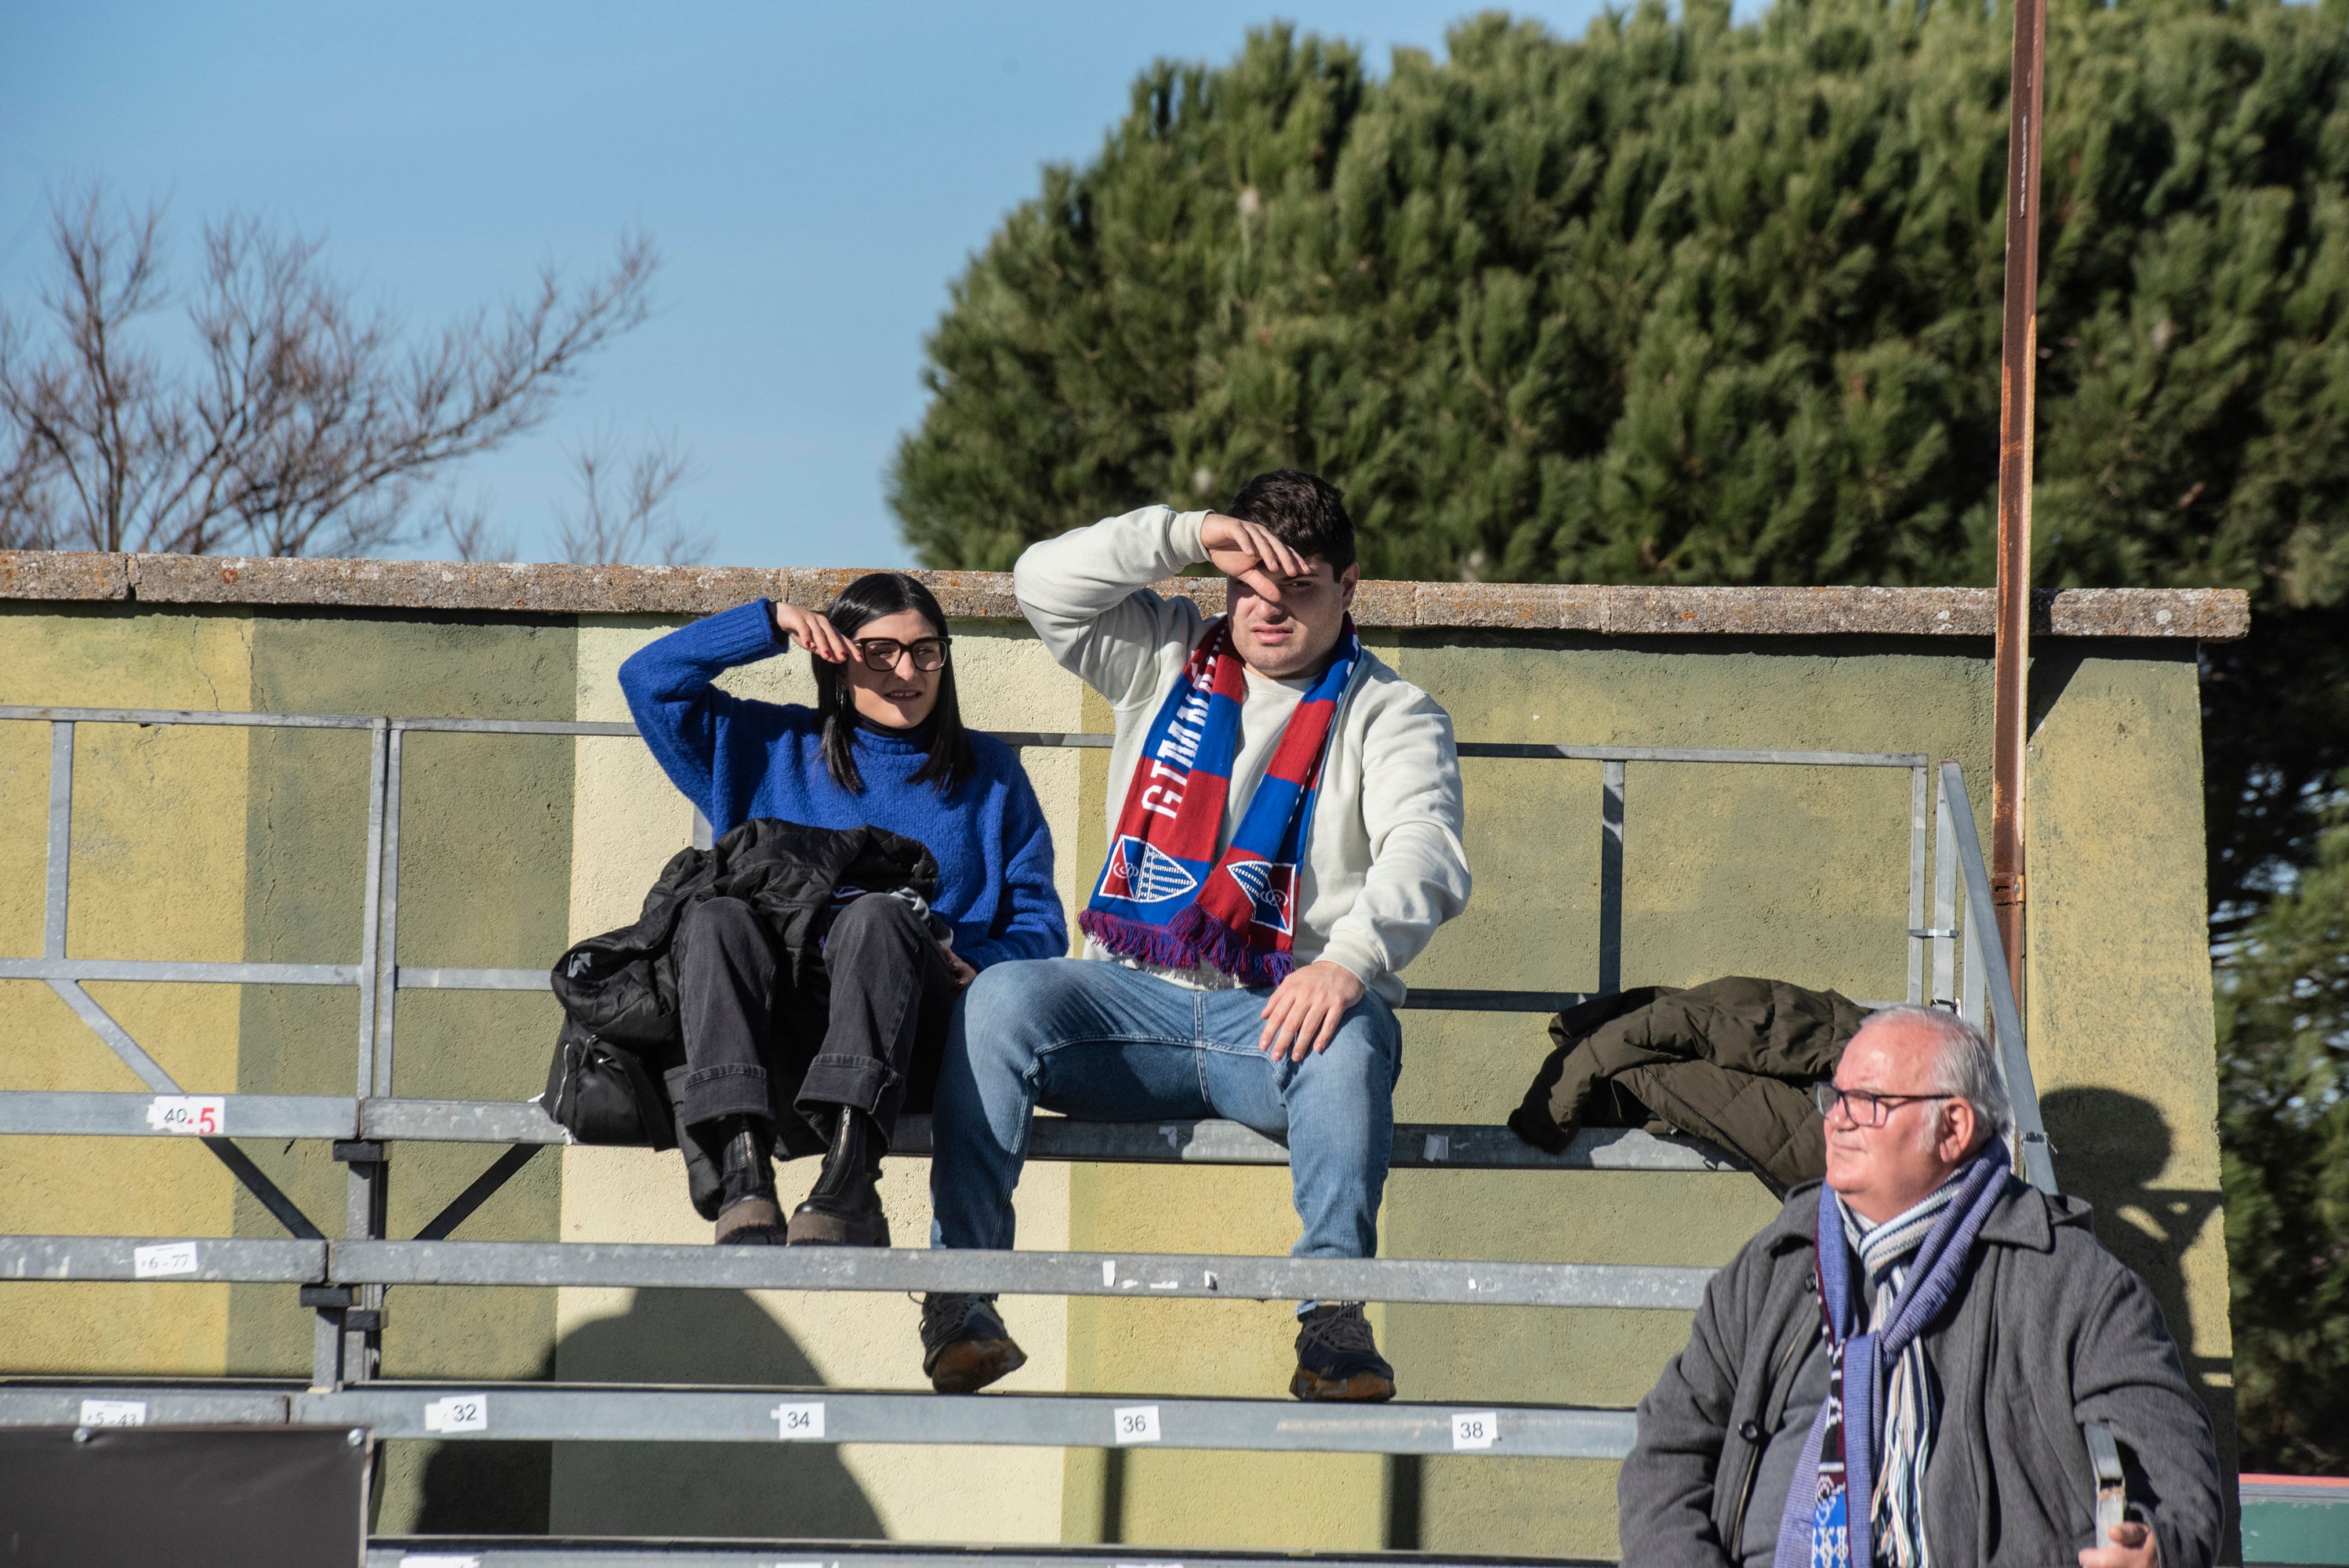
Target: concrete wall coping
{"points": [[2209, 614]]}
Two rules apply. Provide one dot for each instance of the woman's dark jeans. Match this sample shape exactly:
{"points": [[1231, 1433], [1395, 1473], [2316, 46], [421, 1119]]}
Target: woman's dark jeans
{"points": [[893, 995]]}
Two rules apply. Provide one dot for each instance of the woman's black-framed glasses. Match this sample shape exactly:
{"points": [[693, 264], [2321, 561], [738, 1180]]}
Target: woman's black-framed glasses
{"points": [[881, 654], [1865, 1107]]}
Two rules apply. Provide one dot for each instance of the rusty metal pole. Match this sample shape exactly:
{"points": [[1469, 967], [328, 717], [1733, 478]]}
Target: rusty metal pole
{"points": [[2017, 414]]}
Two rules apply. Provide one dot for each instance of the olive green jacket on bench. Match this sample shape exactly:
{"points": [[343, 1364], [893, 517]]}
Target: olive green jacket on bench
{"points": [[1730, 1061]]}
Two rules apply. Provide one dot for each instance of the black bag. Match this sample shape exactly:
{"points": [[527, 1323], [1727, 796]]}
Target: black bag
{"points": [[601, 1093]]}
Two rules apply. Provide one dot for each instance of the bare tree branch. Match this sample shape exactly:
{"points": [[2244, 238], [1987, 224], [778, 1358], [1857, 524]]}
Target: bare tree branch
{"points": [[467, 532], [306, 425], [624, 510]]}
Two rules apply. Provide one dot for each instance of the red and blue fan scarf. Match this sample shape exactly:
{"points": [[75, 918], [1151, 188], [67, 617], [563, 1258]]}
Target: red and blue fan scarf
{"points": [[1166, 897]]}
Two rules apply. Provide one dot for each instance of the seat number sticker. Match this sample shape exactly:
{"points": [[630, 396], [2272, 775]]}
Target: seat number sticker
{"points": [[163, 1258], [114, 1412], [457, 1413], [798, 1423], [190, 1116], [1476, 1429], [1136, 1423]]}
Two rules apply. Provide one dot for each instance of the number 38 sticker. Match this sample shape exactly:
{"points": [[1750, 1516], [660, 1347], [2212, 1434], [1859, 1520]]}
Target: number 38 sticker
{"points": [[1476, 1430]]}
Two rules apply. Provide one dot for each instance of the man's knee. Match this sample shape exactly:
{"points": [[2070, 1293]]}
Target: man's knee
{"points": [[1003, 1010]]}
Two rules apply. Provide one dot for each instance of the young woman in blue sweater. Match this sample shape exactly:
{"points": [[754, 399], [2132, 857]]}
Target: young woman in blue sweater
{"points": [[883, 744]]}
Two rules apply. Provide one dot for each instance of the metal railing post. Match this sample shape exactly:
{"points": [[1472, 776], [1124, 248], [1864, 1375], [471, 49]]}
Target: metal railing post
{"points": [[1611, 878], [1945, 901], [53, 914], [1917, 884]]}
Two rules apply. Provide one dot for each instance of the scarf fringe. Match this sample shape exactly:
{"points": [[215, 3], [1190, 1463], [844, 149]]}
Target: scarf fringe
{"points": [[1194, 939]]}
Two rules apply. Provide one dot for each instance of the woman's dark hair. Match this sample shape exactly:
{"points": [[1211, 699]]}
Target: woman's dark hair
{"points": [[867, 600]]}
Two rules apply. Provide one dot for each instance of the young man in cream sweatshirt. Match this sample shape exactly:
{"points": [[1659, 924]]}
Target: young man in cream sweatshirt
{"points": [[1311, 1060]]}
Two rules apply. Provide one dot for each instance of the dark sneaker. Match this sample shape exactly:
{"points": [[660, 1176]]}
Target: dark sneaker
{"points": [[965, 1346], [1337, 1358]]}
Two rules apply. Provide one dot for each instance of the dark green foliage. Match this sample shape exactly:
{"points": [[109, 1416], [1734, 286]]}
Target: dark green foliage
{"points": [[2284, 1038], [1684, 302]]}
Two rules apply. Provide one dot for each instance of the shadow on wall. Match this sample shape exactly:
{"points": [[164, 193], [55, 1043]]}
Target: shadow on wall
{"points": [[2110, 1147], [763, 1490]]}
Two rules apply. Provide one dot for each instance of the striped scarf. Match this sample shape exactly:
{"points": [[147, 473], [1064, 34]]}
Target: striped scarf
{"points": [[1166, 897], [1913, 1266]]}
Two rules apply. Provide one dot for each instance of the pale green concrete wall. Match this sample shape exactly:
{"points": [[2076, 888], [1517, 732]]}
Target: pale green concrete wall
{"points": [[2120, 1003], [1792, 872], [484, 881], [159, 852]]}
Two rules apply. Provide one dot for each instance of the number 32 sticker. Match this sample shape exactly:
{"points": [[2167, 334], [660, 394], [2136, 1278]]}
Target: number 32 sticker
{"points": [[457, 1413]]}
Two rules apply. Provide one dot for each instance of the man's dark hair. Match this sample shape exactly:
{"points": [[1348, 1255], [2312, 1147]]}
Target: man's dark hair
{"points": [[1304, 511], [870, 597]]}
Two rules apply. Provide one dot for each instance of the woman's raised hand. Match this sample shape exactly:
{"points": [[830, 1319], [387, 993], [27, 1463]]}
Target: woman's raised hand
{"points": [[813, 633]]}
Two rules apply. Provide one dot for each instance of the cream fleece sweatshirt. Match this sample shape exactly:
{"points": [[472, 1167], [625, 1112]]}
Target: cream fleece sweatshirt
{"points": [[1384, 866]]}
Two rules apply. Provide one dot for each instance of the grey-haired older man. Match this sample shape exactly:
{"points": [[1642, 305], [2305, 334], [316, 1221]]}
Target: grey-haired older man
{"points": [[1897, 1371]]}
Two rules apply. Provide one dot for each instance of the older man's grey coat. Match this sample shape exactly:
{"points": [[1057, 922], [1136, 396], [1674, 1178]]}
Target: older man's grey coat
{"points": [[2051, 1331]]}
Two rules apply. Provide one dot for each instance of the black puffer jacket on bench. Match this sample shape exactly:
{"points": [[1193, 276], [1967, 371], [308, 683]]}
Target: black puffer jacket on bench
{"points": [[618, 990], [1730, 1061]]}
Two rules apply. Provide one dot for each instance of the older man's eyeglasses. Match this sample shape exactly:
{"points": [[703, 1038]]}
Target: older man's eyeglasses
{"points": [[881, 654], [1866, 1107]]}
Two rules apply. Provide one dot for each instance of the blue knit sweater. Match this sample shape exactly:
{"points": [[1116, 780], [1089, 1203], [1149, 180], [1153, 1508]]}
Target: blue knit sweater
{"points": [[738, 759]]}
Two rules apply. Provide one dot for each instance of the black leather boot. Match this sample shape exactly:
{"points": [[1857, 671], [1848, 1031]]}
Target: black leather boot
{"points": [[748, 1214], [845, 1209]]}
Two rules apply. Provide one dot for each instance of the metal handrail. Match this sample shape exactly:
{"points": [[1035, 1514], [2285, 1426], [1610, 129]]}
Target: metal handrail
{"points": [[354, 1273], [2037, 1161]]}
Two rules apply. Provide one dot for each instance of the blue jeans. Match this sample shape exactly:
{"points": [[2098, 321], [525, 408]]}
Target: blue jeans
{"points": [[1101, 1042]]}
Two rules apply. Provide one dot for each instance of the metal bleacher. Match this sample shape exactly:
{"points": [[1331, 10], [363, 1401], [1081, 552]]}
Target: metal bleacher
{"points": [[343, 1279]]}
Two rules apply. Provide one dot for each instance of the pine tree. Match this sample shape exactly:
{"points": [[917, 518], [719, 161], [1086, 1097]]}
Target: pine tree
{"points": [[2283, 1131], [1685, 301]]}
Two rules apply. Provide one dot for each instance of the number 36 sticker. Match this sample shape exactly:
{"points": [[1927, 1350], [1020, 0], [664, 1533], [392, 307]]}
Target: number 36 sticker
{"points": [[1136, 1423]]}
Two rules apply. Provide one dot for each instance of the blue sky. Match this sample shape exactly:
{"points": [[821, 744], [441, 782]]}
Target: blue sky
{"points": [[814, 175]]}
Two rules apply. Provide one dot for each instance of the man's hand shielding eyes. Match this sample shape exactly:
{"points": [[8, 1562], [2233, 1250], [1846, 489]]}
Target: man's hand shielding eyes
{"points": [[1305, 1011], [1249, 552]]}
